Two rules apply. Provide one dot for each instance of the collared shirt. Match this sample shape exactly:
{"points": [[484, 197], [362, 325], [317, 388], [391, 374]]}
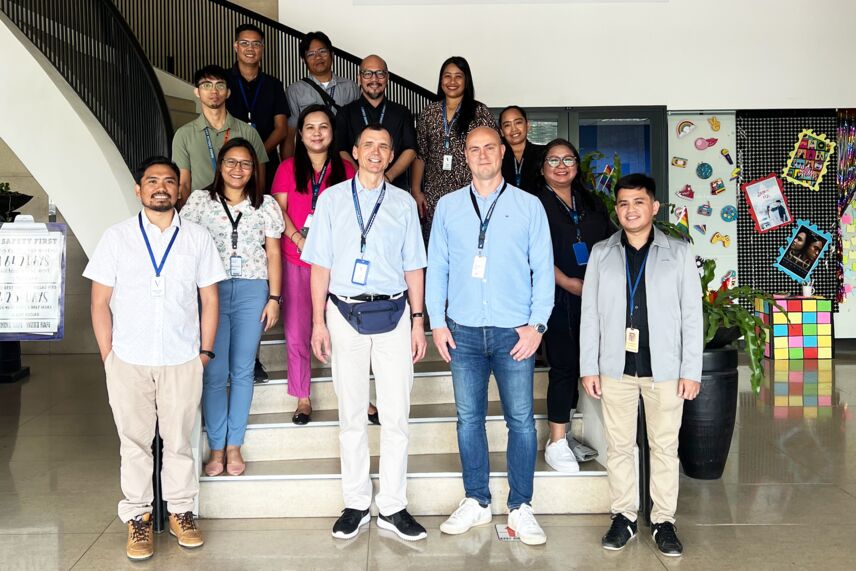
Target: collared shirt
{"points": [[518, 284], [393, 246], [529, 169], [155, 330], [397, 119], [269, 102], [255, 225], [301, 95], [190, 147], [638, 364]]}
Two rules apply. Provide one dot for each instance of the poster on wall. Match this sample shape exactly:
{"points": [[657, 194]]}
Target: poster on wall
{"points": [[805, 247], [767, 203], [809, 160]]}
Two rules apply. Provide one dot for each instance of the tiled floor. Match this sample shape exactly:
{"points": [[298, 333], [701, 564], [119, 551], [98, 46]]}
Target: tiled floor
{"points": [[787, 499]]}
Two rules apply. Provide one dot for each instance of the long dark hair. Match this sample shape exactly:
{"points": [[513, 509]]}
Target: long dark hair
{"points": [[577, 186], [303, 165], [252, 190], [468, 103]]}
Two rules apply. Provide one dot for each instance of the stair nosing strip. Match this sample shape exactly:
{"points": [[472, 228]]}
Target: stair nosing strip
{"points": [[374, 476]]}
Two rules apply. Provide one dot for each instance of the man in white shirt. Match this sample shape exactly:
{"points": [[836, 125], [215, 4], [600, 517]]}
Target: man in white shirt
{"points": [[146, 272]]}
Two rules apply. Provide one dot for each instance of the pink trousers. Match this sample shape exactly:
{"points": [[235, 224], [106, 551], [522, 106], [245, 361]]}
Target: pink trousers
{"points": [[297, 321]]}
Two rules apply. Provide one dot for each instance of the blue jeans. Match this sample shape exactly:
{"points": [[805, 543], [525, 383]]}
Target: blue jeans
{"points": [[238, 333], [479, 351]]}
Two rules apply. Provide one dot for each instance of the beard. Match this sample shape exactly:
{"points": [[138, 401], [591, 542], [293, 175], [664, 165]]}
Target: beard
{"points": [[160, 205]]}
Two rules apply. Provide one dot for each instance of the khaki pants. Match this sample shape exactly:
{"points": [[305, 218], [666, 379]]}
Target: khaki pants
{"points": [[663, 412], [390, 359], [142, 397]]}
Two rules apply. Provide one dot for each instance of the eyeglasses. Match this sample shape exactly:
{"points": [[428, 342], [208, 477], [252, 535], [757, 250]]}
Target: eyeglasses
{"points": [[208, 86], [323, 52], [378, 73], [247, 43], [554, 161], [232, 163]]}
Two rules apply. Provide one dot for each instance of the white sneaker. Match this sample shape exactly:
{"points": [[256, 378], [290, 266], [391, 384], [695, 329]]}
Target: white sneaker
{"points": [[522, 522], [468, 515], [560, 457]]}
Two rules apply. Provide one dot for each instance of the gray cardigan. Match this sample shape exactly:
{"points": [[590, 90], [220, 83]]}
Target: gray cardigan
{"points": [[673, 296]]}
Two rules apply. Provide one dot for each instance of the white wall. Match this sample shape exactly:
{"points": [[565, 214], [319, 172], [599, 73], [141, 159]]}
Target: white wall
{"points": [[685, 54]]}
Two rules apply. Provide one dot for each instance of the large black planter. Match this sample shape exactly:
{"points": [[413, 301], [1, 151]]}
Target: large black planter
{"points": [[708, 421]]}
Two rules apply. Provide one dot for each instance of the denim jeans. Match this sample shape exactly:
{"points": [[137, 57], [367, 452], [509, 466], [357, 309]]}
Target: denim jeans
{"points": [[238, 333], [480, 351]]}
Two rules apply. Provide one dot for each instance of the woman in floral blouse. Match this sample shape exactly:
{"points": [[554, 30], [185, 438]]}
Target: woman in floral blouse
{"points": [[246, 226], [441, 133]]}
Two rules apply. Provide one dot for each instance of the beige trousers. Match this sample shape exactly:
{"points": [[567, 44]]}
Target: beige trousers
{"points": [[142, 397], [663, 412], [390, 359]]}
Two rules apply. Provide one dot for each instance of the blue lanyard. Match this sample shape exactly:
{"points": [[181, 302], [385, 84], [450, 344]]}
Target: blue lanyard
{"points": [[632, 289], [366, 117], [447, 126], [484, 223], [572, 212], [364, 230], [518, 171], [211, 154], [316, 183], [247, 104], [155, 265]]}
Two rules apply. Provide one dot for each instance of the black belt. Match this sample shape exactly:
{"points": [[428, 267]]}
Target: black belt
{"points": [[367, 297]]}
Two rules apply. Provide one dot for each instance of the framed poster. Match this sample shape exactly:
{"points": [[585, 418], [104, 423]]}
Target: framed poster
{"points": [[808, 161], [767, 203], [801, 255]]}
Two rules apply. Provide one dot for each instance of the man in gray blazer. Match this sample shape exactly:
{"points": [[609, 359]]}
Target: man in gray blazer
{"points": [[641, 334]]}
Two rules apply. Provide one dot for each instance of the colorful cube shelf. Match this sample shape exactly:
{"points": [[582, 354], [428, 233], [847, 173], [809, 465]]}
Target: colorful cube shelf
{"points": [[798, 389], [802, 329]]}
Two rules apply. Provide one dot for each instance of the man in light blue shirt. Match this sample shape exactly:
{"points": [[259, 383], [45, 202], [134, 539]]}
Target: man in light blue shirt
{"points": [[368, 258], [490, 257]]}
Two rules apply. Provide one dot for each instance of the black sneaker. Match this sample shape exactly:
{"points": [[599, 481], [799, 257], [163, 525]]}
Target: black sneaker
{"points": [[620, 532], [666, 537], [259, 373], [403, 525], [349, 523]]}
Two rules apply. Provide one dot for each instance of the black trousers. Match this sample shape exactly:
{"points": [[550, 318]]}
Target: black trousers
{"points": [[562, 343]]}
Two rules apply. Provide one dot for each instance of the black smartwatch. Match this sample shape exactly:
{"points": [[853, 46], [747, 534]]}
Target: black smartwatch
{"points": [[210, 354], [276, 298]]}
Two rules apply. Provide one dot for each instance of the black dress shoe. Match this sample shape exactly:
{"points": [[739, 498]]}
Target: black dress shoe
{"points": [[374, 417], [403, 525], [259, 373], [301, 418], [349, 523], [620, 532], [666, 537]]}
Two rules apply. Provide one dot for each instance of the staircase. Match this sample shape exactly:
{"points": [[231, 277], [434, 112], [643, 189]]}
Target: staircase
{"points": [[293, 471]]}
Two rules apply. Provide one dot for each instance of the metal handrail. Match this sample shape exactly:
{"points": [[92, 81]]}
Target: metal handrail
{"points": [[92, 47], [181, 36]]}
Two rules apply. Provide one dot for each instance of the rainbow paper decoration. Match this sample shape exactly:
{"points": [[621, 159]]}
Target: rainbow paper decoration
{"points": [[802, 331], [798, 389], [683, 222]]}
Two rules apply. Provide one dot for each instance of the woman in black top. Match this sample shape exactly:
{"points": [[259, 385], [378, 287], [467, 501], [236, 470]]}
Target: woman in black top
{"points": [[521, 164], [578, 220]]}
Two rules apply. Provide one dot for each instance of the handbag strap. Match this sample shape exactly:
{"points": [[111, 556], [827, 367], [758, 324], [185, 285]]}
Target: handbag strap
{"points": [[328, 101]]}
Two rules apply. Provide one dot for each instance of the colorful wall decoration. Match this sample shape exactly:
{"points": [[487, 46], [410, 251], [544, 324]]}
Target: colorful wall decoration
{"points": [[808, 161], [802, 329]]}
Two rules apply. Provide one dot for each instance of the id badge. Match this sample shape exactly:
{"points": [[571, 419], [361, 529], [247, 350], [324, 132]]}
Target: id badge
{"points": [[235, 266], [361, 272], [631, 340], [158, 286], [479, 266], [581, 253], [305, 230], [447, 162]]}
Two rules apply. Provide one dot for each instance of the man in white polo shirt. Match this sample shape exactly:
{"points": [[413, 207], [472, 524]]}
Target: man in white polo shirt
{"points": [[146, 272]]}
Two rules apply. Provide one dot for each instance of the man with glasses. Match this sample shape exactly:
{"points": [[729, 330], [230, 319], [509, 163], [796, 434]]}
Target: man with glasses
{"points": [[374, 107], [195, 145]]}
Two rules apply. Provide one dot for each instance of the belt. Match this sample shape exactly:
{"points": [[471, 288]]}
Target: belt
{"points": [[366, 297]]}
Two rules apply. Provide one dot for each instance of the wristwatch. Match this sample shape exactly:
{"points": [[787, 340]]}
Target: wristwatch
{"points": [[540, 328], [416, 314], [210, 354], [276, 298]]}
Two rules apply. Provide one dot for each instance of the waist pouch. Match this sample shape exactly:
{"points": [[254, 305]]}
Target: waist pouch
{"points": [[372, 317]]}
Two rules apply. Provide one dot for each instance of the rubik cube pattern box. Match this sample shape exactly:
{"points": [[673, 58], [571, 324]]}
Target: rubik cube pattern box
{"points": [[798, 389], [802, 329]]}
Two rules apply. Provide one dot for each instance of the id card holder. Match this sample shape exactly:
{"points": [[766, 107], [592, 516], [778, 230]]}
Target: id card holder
{"points": [[235, 266], [158, 286], [447, 162], [361, 272], [305, 230], [581, 253], [479, 266], [631, 340]]}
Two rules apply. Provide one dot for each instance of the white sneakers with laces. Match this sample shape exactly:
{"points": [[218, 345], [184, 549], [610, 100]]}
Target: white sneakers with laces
{"points": [[524, 525], [560, 457], [468, 515]]}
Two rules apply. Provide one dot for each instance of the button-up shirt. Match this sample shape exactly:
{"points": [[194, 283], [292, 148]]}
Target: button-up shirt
{"points": [[155, 330], [393, 246], [517, 287], [638, 364], [301, 95]]}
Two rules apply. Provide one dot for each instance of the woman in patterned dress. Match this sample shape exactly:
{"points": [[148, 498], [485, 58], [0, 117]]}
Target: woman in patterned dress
{"points": [[441, 133], [246, 226]]}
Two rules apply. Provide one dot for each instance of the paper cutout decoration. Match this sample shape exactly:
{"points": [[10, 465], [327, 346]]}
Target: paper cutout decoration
{"points": [[603, 182], [729, 280], [803, 251], [704, 171], [684, 128], [679, 162], [767, 203], [717, 187], [701, 228], [735, 173], [701, 143], [683, 223], [686, 192], [808, 161], [729, 213], [725, 153], [723, 239], [714, 123], [705, 209]]}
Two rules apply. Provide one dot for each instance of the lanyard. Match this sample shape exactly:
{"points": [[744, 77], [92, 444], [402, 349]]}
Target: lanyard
{"points": [[364, 230], [447, 126], [486, 221], [233, 221], [518, 171], [247, 104], [632, 289], [316, 183], [157, 267], [571, 210], [211, 147], [366, 117]]}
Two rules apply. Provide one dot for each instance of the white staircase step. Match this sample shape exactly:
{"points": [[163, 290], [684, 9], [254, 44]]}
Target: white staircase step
{"points": [[312, 488]]}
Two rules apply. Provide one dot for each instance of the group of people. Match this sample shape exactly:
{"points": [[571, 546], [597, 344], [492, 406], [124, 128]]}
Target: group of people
{"points": [[519, 253]]}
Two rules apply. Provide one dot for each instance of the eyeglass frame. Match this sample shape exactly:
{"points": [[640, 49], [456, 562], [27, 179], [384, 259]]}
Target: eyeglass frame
{"points": [[242, 163], [563, 160], [247, 43], [323, 52], [378, 73], [215, 85]]}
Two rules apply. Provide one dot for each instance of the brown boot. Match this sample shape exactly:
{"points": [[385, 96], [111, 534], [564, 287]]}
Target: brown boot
{"points": [[140, 542], [183, 526]]}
